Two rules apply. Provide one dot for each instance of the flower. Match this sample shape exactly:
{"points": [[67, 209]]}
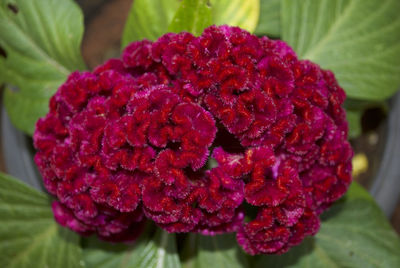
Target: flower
{"points": [[225, 132]]}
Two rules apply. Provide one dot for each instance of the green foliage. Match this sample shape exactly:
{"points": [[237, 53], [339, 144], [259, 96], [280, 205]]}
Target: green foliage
{"points": [[270, 18], [41, 41], [149, 252], [29, 236], [354, 233], [192, 16], [359, 40], [220, 251], [148, 19], [354, 120], [242, 13], [24, 110]]}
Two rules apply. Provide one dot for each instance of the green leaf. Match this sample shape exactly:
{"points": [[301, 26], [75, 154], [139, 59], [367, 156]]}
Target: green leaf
{"points": [[148, 19], [354, 233], [157, 252], [192, 16], [358, 40], [24, 110], [270, 18], [242, 13], [41, 41], [354, 120], [29, 236], [220, 251]]}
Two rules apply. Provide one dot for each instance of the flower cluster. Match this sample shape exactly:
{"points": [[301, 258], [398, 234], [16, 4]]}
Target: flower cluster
{"points": [[225, 132]]}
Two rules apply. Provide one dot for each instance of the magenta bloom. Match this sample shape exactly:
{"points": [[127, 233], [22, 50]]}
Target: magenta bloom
{"points": [[225, 132]]}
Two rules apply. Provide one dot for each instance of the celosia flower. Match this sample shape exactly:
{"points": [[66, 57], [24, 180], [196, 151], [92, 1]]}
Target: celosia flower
{"points": [[225, 132]]}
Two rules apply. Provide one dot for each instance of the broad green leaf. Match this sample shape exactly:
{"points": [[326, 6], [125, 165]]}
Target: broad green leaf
{"points": [[359, 40], [24, 110], [354, 233], [192, 16], [29, 236], [148, 19], [220, 251], [354, 120], [41, 41], [242, 13], [270, 18], [157, 252]]}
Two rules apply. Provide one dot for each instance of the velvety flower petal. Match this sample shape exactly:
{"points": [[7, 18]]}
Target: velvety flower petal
{"points": [[224, 132]]}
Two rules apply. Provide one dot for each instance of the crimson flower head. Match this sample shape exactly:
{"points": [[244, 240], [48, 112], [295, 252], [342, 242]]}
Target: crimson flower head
{"points": [[225, 132]]}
